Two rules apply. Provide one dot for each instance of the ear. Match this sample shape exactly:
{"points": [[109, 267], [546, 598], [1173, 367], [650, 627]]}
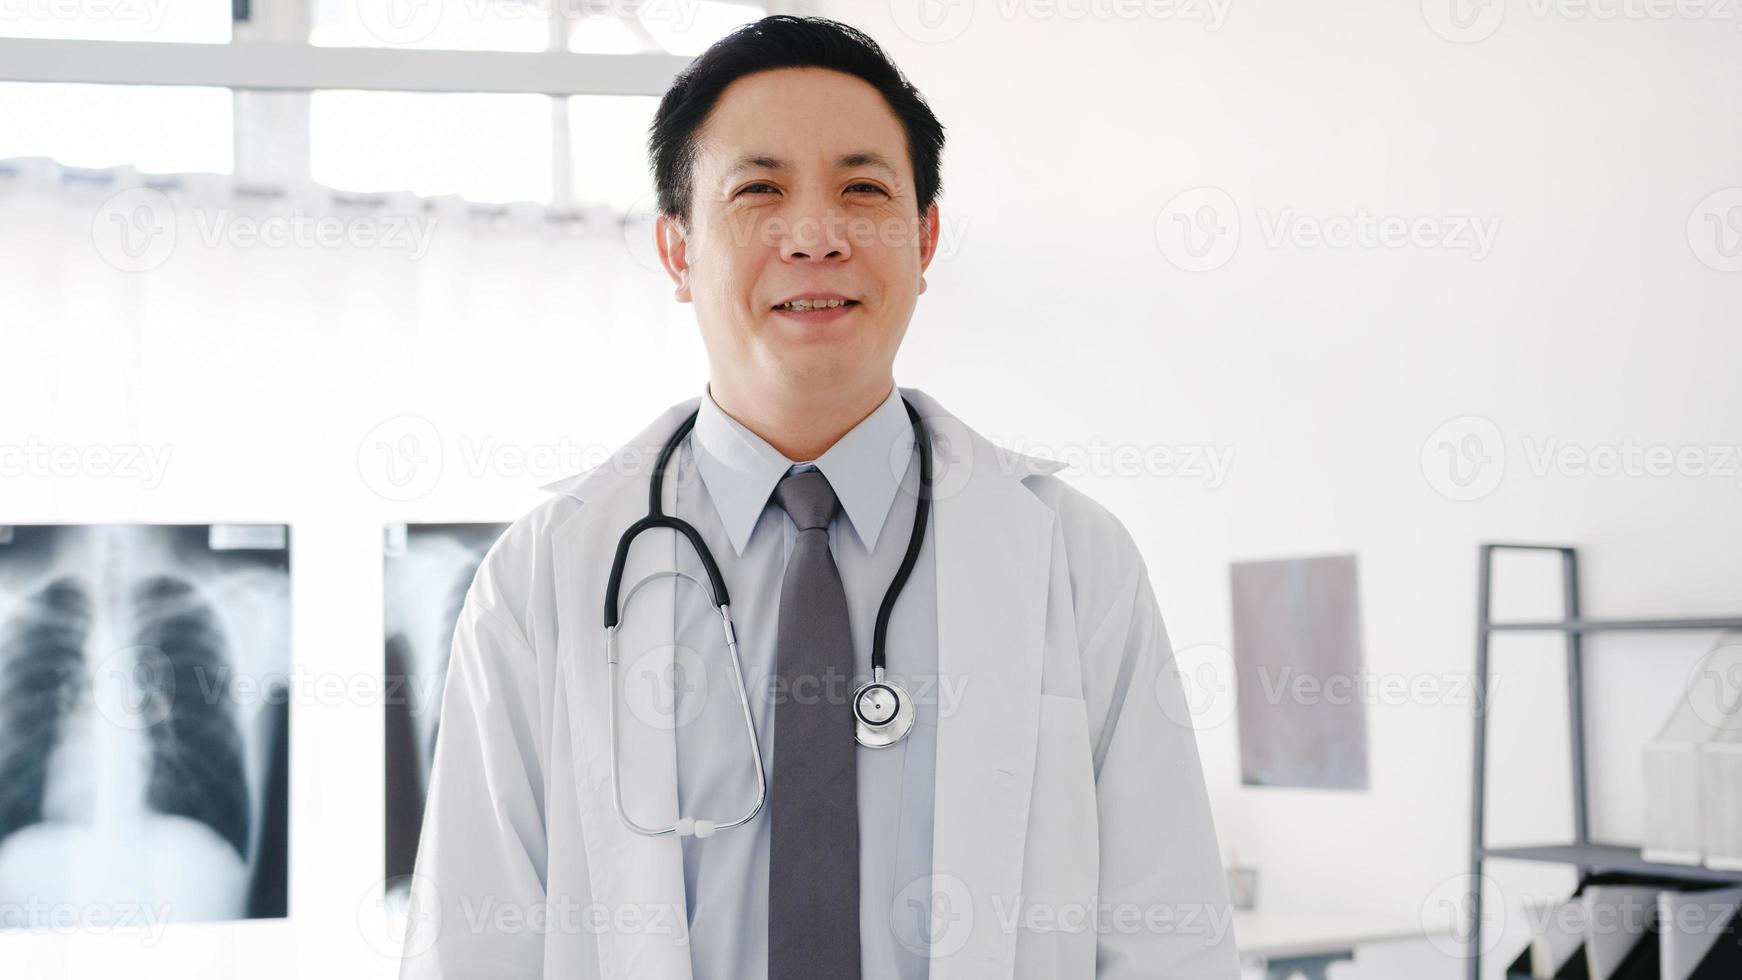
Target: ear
{"points": [[673, 244], [928, 241]]}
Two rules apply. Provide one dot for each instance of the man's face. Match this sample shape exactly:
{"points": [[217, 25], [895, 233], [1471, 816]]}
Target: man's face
{"points": [[803, 189]]}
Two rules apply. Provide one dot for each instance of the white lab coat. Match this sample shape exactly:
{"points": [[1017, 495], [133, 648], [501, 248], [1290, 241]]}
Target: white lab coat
{"points": [[1072, 834]]}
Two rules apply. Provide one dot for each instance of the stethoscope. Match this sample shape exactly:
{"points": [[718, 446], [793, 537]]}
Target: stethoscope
{"points": [[883, 712]]}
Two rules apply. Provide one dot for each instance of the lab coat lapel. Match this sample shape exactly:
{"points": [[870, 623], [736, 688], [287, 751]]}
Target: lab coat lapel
{"points": [[993, 543], [638, 879]]}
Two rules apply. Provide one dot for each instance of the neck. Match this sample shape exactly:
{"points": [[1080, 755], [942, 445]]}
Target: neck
{"points": [[801, 425]]}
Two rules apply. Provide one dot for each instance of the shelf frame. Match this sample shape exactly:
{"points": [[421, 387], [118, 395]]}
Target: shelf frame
{"points": [[1613, 857], [1581, 853]]}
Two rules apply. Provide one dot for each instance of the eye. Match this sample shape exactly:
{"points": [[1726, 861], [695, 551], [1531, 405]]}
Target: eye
{"points": [[748, 188], [867, 185]]}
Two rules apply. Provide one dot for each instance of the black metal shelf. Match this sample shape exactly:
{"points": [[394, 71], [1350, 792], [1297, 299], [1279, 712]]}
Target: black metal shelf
{"points": [[1581, 853], [1619, 625], [1610, 857]]}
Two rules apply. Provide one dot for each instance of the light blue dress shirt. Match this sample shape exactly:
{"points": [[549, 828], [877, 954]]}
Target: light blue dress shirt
{"points": [[874, 472]]}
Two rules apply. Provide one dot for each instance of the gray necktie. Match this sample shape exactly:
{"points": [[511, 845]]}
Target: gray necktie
{"points": [[813, 859]]}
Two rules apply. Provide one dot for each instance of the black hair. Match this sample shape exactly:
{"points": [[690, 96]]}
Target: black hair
{"points": [[783, 41]]}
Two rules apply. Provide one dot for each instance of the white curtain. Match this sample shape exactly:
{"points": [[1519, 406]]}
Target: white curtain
{"points": [[259, 338]]}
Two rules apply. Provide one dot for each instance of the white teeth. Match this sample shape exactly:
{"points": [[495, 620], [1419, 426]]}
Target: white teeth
{"points": [[812, 304]]}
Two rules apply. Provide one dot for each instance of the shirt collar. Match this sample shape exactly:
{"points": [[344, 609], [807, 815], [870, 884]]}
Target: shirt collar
{"points": [[864, 467]]}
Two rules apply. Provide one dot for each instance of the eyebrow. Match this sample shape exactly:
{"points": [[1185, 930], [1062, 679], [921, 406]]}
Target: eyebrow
{"points": [[846, 161]]}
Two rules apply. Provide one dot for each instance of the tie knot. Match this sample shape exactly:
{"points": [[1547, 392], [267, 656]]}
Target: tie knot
{"points": [[808, 499]]}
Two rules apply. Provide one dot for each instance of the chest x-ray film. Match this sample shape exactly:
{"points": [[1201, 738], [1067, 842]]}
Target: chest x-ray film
{"points": [[144, 723], [1297, 654], [429, 568]]}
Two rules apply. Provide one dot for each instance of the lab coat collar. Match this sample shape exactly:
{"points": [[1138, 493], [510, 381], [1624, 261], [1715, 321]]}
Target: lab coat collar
{"points": [[636, 458], [993, 541], [864, 467]]}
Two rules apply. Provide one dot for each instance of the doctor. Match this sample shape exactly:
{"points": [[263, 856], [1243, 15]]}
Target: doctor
{"points": [[1019, 793]]}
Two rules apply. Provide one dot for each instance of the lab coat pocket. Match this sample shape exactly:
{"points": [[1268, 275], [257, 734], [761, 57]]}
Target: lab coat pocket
{"points": [[1056, 917]]}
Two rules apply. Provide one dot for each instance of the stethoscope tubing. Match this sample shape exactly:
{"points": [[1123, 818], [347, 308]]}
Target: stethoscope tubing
{"points": [[655, 518], [684, 827]]}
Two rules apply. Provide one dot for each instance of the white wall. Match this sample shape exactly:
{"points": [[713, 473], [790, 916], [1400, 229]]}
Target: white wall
{"points": [[1058, 320]]}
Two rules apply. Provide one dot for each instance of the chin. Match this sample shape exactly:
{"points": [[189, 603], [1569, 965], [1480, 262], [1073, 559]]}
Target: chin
{"points": [[815, 366], [801, 342]]}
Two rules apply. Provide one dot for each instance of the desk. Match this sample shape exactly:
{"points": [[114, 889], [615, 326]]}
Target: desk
{"points": [[1306, 944]]}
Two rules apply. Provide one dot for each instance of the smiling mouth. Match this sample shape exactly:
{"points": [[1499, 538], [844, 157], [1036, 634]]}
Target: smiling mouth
{"points": [[805, 305]]}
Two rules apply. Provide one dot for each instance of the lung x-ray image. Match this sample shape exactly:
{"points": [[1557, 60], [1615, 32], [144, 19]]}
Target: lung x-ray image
{"points": [[144, 721], [429, 568]]}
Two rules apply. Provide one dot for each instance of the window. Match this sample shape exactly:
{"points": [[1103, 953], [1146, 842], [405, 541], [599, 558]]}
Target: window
{"points": [[494, 147], [457, 25], [145, 21], [683, 27], [158, 129], [609, 149]]}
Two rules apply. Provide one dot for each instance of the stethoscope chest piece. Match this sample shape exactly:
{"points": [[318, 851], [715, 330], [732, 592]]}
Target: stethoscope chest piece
{"points": [[882, 713]]}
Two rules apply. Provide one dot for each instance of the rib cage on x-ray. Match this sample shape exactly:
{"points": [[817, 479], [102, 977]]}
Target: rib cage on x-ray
{"points": [[130, 770], [197, 751], [42, 650], [429, 569]]}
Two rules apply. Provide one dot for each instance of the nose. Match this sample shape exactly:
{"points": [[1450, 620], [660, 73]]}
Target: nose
{"points": [[815, 230]]}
